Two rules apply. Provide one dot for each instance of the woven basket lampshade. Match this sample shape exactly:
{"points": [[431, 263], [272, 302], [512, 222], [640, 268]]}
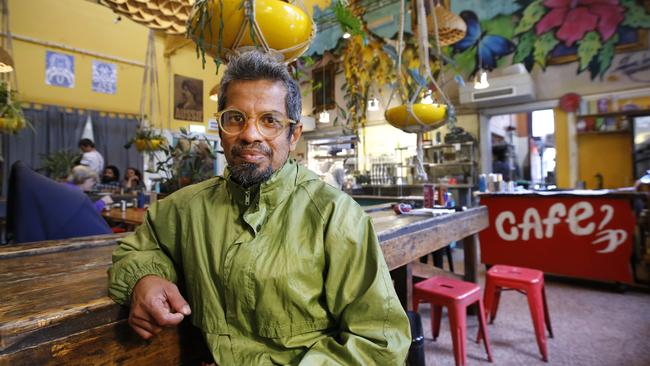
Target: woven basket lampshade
{"points": [[169, 16], [451, 27]]}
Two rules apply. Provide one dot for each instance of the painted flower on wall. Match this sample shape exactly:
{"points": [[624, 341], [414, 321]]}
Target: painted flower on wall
{"points": [[575, 18], [588, 31]]}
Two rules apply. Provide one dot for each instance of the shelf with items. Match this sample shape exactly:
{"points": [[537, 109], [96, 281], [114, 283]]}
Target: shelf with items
{"points": [[594, 133], [442, 146], [630, 113], [609, 122], [453, 163], [333, 157], [329, 153]]}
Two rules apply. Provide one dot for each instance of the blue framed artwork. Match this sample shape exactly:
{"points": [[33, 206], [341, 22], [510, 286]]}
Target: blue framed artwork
{"points": [[104, 77], [59, 69]]}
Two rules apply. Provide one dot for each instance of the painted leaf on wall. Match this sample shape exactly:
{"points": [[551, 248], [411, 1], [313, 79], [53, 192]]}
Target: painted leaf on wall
{"points": [[532, 14], [635, 16], [525, 47], [501, 25], [605, 57], [543, 46], [588, 47]]}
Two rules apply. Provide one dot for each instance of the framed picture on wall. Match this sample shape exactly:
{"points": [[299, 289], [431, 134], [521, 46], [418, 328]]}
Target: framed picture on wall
{"points": [[188, 99], [323, 94]]}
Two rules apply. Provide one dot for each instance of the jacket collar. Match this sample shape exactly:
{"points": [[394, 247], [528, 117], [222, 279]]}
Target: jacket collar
{"points": [[270, 193]]}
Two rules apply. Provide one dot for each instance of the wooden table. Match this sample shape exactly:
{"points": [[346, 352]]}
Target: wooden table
{"points": [[132, 217], [54, 308]]}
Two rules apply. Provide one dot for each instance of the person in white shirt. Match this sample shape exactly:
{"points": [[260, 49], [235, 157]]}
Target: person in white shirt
{"points": [[91, 157]]}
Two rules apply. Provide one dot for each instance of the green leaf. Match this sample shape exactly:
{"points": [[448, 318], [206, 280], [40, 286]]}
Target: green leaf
{"points": [[532, 14], [348, 21], [501, 25], [636, 15], [588, 47], [525, 47], [606, 55], [543, 46], [466, 61]]}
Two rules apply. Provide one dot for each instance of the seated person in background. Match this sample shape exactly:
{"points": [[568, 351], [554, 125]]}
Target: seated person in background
{"points": [[39, 208], [84, 179], [133, 180], [110, 179]]}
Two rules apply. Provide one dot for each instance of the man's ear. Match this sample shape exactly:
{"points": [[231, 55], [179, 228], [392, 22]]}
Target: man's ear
{"points": [[295, 136]]}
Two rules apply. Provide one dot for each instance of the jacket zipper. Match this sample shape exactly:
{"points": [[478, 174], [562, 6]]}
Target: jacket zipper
{"points": [[247, 198]]}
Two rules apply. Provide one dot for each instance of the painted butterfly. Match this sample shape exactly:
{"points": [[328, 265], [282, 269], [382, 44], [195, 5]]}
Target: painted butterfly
{"points": [[490, 46]]}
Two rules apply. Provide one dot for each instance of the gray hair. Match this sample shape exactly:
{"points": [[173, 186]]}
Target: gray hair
{"points": [[256, 65], [82, 173]]}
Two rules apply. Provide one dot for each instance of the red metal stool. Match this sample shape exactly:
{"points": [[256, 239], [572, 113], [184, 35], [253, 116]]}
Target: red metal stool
{"points": [[524, 280], [456, 296]]}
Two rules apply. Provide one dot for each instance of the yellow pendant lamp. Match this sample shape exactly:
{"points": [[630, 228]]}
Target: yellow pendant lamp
{"points": [[276, 25], [424, 117]]}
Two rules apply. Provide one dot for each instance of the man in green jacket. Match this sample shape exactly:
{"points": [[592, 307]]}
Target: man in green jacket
{"points": [[277, 266]]}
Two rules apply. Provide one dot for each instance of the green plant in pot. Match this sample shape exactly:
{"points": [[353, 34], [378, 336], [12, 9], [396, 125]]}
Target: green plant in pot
{"points": [[190, 161], [58, 165], [12, 118]]}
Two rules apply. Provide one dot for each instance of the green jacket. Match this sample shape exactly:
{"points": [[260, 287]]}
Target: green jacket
{"points": [[292, 275]]}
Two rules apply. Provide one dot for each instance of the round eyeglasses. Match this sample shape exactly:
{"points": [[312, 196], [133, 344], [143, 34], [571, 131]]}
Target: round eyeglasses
{"points": [[269, 124]]}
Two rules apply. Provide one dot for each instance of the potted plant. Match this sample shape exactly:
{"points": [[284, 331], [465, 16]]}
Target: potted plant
{"points": [[57, 165], [190, 161], [147, 139], [12, 118]]}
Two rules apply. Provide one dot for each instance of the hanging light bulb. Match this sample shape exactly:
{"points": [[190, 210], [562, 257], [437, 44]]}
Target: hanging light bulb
{"points": [[482, 82], [428, 98], [214, 93], [324, 117], [373, 104]]}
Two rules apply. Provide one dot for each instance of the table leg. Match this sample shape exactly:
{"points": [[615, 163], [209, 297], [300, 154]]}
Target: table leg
{"points": [[403, 282], [470, 246]]}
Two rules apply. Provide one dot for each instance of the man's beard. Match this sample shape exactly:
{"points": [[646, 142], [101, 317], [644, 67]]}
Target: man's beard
{"points": [[249, 174]]}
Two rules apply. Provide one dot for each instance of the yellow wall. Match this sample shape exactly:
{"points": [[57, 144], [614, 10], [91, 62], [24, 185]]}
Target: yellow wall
{"points": [[88, 26], [607, 154], [562, 149]]}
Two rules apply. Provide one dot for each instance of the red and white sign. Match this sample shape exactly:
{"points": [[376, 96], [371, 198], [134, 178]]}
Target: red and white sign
{"points": [[582, 236]]}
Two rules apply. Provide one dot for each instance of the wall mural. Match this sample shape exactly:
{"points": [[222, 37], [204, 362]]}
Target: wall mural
{"points": [[544, 32]]}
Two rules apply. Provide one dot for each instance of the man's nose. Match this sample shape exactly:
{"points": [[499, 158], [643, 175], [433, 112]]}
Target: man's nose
{"points": [[250, 132]]}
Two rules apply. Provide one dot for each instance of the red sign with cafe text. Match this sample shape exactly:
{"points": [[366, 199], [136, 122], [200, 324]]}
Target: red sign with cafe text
{"points": [[581, 236]]}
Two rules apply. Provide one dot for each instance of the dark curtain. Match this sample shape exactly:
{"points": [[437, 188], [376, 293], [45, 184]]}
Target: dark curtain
{"points": [[55, 129], [58, 128], [111, 133]]}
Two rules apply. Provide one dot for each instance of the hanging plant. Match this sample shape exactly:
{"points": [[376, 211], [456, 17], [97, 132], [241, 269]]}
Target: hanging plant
{"points": [[147, 140], [12, 119], [219, 27], [363, 64]]}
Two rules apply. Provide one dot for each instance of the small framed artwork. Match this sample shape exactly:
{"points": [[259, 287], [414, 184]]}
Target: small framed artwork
{"points": [[323, 96], [188, 99], [59, 69]]}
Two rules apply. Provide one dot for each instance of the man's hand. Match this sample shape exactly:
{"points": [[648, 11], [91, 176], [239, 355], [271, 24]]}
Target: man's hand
{"points": [[156, 303]]}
